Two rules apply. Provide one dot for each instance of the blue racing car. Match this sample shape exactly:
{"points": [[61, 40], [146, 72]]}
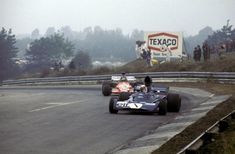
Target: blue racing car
{"points": [[147, 97]]}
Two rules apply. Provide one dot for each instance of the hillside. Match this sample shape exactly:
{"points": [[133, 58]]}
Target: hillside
{"points": [[225, 63]]}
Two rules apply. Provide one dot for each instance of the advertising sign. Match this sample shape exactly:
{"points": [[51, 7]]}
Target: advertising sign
{"points": [[164, 44]]}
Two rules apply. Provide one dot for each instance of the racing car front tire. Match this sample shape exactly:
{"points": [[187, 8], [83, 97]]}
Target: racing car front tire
{"points": [[173, 102], [106, 89], [124, 96], [162, 108], [111, 106]]}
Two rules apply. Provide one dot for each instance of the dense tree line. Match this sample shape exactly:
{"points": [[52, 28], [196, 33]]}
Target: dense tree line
{"points": [[109, 44], [100, 44], [104, 45]]}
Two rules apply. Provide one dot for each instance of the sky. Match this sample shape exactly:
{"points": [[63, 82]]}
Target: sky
{"points": [[187, 16]]}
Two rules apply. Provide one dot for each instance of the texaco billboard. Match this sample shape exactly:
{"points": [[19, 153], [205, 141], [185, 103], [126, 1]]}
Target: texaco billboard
{"points": [[164, 44]]}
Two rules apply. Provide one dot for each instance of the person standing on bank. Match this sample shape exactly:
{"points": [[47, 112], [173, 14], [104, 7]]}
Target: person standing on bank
{"points": [[149, 58], [199, 52], [206, 51], [195, 54]]}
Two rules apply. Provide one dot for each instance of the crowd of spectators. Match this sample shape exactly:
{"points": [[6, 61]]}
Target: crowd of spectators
{"points": [[217, 49]]}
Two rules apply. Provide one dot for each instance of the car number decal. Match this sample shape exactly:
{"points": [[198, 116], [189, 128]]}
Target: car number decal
{"points": [[135, 105], [122, 104]]}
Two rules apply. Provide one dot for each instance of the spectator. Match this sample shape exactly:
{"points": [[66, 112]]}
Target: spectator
{"points": [[144, 54], [196, 54], [233, 45], [199, 52], [206, 51], [148, 58]]}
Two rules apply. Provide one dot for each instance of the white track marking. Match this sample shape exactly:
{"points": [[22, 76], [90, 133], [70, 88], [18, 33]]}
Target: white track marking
{"points": [[211, 102], [207, 108], [43, 108], [178, 124], [52, 105], [139, 150], [212, 95], [159, 135], [191, 116]]}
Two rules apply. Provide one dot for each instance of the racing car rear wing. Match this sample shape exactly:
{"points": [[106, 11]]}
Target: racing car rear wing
{"points": [[118, 78]]}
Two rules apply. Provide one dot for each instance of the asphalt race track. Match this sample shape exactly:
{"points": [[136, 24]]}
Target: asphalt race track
{"points": [[71, 120]]}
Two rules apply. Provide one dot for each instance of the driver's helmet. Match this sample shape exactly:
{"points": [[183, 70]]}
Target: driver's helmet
{"points": [[148, 81], [123, 77], [141, 88]]}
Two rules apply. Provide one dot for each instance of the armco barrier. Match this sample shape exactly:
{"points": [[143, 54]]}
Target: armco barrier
{"points": [[219, 76], [207, 136]]}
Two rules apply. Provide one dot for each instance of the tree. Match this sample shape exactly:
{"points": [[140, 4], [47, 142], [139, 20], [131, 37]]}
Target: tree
{"points": [[137, 35], [22, 45], [67, 32], [35, 34], [50, 31], [8, 51], [82, 60], [225, 35], [43, 53]]}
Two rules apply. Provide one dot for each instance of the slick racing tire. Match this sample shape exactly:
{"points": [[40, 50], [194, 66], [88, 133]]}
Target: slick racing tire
{"points": [[162, 108], [106, 89], [173, 102], [124, 96], [111, 106]]}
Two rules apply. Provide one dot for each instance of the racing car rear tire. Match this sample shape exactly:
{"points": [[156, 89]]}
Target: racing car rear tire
{"points": [[173, 102], [162, 108], [124, 96], [111, 106], [106, 89]]}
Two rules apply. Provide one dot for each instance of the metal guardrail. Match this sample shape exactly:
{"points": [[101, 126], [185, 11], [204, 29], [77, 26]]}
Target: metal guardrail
{"points": [[207, 136], [202, 75]]}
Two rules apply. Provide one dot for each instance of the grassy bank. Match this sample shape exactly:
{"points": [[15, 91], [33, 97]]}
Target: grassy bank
{"points": [[224, 142], [223, 64]]}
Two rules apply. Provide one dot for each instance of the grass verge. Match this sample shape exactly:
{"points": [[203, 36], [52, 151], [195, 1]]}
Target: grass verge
{"points": [[224, 142]]}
